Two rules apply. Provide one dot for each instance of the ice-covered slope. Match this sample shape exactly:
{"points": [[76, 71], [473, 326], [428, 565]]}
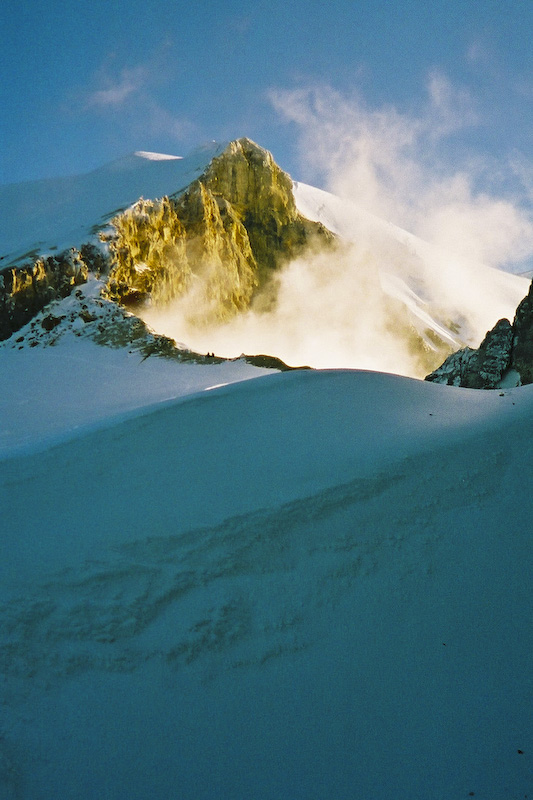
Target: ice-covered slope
{"points": [[457, 299], [54, 214], [49, 395], [316, 585]]}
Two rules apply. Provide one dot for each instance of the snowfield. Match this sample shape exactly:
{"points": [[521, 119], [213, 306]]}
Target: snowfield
{"points": [[51, 394], [220, 581], [312, 585]]}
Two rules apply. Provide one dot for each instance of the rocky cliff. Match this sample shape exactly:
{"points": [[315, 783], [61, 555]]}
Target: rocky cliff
{"points": [[505, 354], [225, 237], [220, 243], [25, 290]]}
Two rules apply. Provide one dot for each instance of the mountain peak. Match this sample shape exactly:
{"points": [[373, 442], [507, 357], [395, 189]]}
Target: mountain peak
{"points": [[227, 233]]}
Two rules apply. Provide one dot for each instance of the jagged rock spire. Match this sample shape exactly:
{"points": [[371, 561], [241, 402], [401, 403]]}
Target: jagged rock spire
{"points": [[229, 231]]}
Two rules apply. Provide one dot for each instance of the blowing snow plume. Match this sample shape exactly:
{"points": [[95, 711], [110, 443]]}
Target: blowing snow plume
{"points": [[325, 310], [251, 263], [397, 166]]}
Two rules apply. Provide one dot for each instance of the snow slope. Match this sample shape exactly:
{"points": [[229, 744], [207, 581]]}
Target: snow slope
{"points": [[81, 385], [433, 284], [315, 585], [58, 380], [58, 213]]}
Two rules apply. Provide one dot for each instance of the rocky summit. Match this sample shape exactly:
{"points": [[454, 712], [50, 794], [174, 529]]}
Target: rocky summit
{"points": [[215, 231], [505, 356], [226, 235]]}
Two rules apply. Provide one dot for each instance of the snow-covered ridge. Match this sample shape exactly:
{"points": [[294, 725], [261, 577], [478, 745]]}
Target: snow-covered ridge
{"points": [[306, 586], [54, 214]]}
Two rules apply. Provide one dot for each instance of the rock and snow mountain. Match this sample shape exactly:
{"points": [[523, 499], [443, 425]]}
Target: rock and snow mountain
{"points": [[52, 215], [315, 584], [219, 227]]}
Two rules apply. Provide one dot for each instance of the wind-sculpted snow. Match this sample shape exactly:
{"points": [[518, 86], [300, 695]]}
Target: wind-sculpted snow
{"points": [[256, 444], [111, 612], [313, 585]]}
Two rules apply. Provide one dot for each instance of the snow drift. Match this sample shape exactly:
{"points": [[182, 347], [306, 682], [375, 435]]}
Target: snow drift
{"points": [[312, 585]]}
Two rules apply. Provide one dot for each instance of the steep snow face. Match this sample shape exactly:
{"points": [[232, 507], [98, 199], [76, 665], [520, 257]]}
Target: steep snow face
{"points": [[458, 300], [313, 585], [51, 215]]}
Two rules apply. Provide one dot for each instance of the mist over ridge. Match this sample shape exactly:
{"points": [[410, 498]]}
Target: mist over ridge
{"points": [[426, 238], [381, 299], [228, 255]]}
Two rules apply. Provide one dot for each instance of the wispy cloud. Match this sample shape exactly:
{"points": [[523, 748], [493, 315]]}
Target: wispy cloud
{"points": [[394, 164], [449, 108], [359, 306], [350, 309], [522, 168], [479, 52], [116, 89], [240, 24], [158, 120], [130, 96]]}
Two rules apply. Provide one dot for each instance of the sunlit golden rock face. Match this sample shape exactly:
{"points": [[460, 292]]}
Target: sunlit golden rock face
{"points": [[225, 236], [149, 251]]}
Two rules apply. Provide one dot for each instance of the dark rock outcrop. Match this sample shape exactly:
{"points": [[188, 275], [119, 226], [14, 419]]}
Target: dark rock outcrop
{"points": [[506, 349], [25, 290], [482, 368], [522, 359]]}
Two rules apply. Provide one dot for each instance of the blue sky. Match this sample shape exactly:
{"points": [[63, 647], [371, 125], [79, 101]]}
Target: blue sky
{"points": [[86, 82]]}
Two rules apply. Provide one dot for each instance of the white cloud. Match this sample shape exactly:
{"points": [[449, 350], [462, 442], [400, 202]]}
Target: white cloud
{"points": [[158, 120], [116, 89], [450, 108], [479, 52], [392, 164], [130, 96], [522, 168]]}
